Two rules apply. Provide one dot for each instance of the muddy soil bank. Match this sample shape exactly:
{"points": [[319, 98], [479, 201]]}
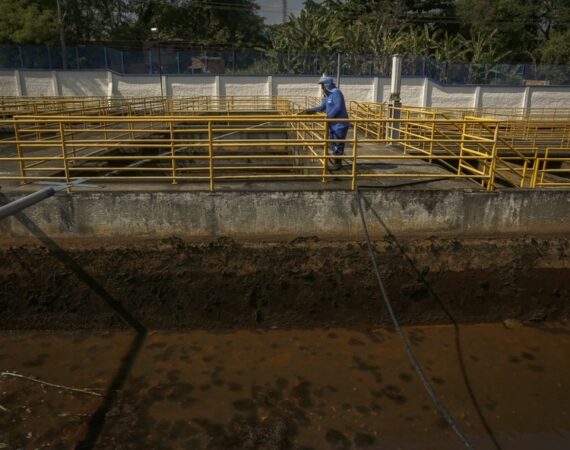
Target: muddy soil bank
{"points": [[171, 283]]}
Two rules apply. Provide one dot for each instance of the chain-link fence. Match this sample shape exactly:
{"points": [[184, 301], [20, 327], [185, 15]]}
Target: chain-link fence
{"points": [[166, 59]]}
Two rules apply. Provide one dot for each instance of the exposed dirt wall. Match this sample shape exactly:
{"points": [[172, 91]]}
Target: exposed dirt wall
{"points": [[171, 283]]}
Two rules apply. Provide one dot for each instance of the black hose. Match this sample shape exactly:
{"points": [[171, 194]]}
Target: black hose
{"points": [[411, 355]]}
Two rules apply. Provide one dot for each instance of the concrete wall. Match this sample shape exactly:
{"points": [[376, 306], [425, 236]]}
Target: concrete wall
{"points": [[82, 84], [270, 215], [415, 91], [181, 86], [38, 83]]}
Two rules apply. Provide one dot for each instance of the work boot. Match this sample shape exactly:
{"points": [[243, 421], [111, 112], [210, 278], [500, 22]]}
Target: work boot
{"points": [[335, 164]]}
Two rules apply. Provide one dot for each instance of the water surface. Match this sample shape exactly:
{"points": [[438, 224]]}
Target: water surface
{"points": [[508, 388]]}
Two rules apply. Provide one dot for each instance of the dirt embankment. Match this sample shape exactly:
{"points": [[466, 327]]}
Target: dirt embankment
{"points": [[304, 283]]}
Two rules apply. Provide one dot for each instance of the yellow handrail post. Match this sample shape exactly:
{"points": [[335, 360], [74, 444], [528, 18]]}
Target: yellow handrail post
{"points": [[130, 124], [36, 125], [493, 165], [172, 150], [432, 137], [325, 151], [211, 154], [461, 147], [64, 150], [544, 165], [381, 125], [535, 173], [106, 135], [528, 166], [404, 130], [366, 124], [21, 162], [71, 137], [354, 159]]}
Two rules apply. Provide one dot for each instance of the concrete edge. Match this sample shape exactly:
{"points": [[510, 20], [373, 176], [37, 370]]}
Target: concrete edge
{"points": [[277, 215]]}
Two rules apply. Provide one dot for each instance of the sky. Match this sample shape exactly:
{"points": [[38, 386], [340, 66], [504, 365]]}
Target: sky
{"points": [[271, 9]]}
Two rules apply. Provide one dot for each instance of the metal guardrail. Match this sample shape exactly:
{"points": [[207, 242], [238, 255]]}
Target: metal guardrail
{"points": [[521, 135], [11, 106], [215, 139], [555, 161], [438, 135], [196, 149]]}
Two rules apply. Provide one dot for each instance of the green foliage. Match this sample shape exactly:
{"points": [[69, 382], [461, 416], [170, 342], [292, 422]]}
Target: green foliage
{"points": [[200, 22], [203, 22], [557, 49], [483, 32], [27, 22]]}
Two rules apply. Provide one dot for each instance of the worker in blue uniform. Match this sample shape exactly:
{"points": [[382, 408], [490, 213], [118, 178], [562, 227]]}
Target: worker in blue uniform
{"points": [[334, 107]]}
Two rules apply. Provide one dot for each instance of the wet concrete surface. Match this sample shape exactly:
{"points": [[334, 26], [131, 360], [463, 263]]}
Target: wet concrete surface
{"points": [[331, 388]]}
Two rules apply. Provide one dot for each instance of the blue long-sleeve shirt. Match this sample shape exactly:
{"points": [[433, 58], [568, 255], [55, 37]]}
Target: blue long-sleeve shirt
{"points": [[334, 107]]}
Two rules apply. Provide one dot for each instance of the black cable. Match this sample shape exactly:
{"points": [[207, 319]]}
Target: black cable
{"points": [[411, 355]]}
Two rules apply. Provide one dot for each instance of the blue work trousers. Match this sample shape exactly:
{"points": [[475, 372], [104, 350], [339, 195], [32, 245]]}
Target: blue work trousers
{"points": [[337, 148]]}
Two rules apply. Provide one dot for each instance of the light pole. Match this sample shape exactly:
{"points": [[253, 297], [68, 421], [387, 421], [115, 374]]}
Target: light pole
{"points": [[154, 30]]}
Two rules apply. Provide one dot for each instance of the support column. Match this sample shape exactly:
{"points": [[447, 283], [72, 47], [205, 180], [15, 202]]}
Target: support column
{"points": [[19, 83], [396, 83], [110, 81], [526, 103], [217, 87], [55, 84], [382, 83], [164, 82], [477, 97], [395, 97], [375, 90], [425, 93]]}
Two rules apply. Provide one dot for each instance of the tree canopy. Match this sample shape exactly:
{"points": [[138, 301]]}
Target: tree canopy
{"points": [[475, 31], [198, 22]]}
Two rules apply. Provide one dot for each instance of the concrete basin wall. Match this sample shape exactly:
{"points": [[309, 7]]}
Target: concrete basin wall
{"points": [[288, 214]]}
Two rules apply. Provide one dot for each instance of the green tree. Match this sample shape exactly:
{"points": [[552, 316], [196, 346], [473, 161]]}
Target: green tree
{"points": [[515, 23], [557, 49], [27, 22], [204, 22]]}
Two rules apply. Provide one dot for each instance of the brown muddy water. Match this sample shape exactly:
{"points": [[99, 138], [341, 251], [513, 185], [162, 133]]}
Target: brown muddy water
{"points": [[337, 388], [283, 345]]}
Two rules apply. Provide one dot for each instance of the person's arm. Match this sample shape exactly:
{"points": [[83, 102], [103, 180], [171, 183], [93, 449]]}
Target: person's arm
{"points": [[316, 109]]}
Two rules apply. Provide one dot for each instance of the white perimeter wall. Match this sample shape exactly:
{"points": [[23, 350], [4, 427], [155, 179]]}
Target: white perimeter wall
{"points": [[415, 91]]}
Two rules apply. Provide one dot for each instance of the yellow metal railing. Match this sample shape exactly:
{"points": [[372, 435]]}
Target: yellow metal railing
{"points": [[213, 149], [374, 113], [12, 106], [437, 133], [216, 139], [552, 169]]}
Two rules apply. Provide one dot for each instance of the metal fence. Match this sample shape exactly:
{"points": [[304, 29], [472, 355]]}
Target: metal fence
{"points": [[215, 139], [165, 59]]}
